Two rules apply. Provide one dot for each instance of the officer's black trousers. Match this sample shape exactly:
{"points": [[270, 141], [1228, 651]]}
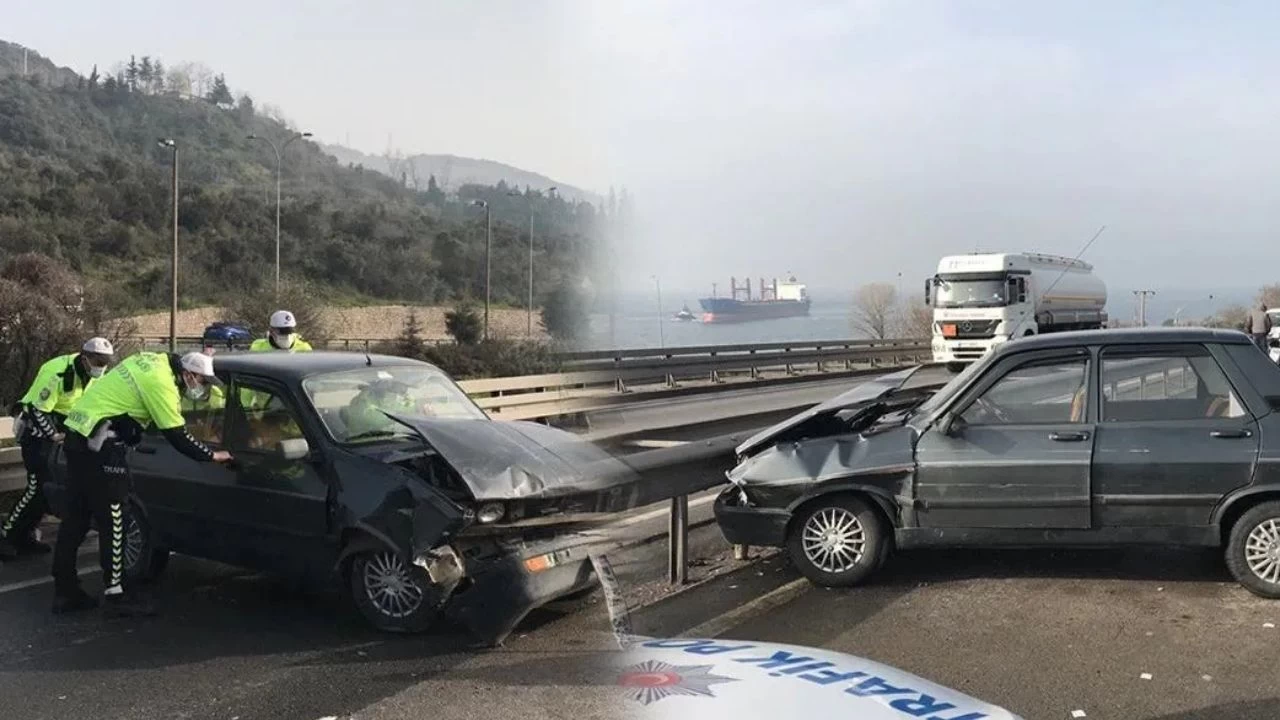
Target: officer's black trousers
{"points": [[97, 490], [36, 453]]}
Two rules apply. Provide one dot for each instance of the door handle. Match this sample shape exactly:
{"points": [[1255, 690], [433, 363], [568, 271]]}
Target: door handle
{"points": [[1231, 434], [1069, 436]]}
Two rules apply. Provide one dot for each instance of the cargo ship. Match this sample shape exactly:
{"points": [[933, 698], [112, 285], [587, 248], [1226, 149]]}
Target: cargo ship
{"points": [[777, 300]]}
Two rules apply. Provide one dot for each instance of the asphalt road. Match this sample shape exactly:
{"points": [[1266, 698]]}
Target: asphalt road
{"points": [[1139, 634]]}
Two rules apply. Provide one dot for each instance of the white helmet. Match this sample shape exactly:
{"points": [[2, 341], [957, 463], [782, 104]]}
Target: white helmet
{"points": [[98, 346], [198, 363], [283, 320]]}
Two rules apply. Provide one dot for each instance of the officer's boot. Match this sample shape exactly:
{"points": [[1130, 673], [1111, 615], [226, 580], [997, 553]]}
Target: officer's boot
{"points": [[73, 601], [128, 604]]}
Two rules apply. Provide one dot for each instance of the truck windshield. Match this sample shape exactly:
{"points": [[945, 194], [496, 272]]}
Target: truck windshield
{"points": [[971, 293]]}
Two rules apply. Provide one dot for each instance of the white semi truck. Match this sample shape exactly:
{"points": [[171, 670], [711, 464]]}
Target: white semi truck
{"points": [[982, 300]]}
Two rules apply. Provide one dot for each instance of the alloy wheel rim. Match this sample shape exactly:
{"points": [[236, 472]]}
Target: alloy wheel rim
{"points": [[1262, 551], [133, 542], [834, 540], [389, 586]]}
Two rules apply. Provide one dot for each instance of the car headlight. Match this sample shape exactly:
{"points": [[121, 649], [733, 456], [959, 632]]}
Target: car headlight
{"points": [[490, 512]]}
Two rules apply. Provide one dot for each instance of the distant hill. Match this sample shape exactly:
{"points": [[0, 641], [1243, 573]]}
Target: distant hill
{"points": [[83, 180], [452, 171], [13, 57]]}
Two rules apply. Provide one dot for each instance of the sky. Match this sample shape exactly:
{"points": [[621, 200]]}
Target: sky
{"points": [[845, 142]]}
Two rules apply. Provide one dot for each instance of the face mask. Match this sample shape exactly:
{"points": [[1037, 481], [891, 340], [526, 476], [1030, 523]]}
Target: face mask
{"points": [[97, 372], [197, 391], [285, 340]]}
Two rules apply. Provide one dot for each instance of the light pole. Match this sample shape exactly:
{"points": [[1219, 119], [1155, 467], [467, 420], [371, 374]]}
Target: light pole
{"points": [[279, 154], [662, 340], [529, 320], [173, 300], [488, 246]]}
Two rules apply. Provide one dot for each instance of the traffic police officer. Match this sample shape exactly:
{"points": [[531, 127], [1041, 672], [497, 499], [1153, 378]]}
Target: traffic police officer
{"points": [[283, 335], [110, 418], [58, 385]]}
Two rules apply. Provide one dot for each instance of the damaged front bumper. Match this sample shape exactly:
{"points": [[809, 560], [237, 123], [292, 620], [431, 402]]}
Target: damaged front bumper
{"points": [[498, 586], [743, 524]]}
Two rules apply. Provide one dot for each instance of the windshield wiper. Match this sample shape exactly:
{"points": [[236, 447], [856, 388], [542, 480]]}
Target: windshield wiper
{"points": [[376, 434]]}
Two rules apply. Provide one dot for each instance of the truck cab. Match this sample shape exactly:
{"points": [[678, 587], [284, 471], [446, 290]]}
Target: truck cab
{"points": [[983, 300]]}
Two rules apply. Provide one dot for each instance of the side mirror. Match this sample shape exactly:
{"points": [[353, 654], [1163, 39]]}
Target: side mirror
{"points": [[294, 449], [928, 288]]}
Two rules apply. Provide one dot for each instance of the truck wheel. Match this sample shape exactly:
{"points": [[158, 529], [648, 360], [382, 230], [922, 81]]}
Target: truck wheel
{"points": [[392, 595], [1253, 551], [836, 541], [955, 367], [144, 559]]}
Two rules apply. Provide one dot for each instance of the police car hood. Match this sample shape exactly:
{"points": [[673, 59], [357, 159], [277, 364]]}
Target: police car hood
{"points": [[744, 680], [510, 460]]}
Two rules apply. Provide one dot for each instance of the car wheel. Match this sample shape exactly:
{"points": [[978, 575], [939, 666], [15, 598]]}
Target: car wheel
{"points": [[837, 541], [1253, 552], [954, 367], [392, 595], [144, 560]]}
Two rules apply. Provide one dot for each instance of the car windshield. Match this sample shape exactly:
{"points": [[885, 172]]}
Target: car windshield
{"points": [[971, 293], [354, 404], [929, 406]]}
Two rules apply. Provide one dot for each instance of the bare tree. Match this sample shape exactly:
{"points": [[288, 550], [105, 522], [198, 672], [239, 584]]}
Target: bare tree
{"points": [[179, 81], [200, 75], [874, 310], [1269, 295], [1232, 317], [915, 320]]}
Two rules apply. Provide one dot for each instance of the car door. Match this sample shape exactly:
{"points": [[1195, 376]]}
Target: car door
{"points": [[1018, 449], [1173, 437], [277, 506], [176, 491]]}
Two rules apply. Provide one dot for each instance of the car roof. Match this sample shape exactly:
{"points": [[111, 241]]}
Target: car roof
{"points": [[297, 366], [1125, 336]]}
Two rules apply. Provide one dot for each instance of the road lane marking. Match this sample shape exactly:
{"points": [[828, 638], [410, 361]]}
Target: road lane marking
{"points": [[660, 512], [11, 587], [727, 621]]}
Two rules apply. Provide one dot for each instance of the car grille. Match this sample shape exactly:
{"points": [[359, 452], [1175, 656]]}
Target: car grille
{"points": [[968, 329]]}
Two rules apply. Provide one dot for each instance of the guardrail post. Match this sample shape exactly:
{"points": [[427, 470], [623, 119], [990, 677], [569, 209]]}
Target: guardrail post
{"points": [[678, 541], [671, 381], [755, 373], [715, 376], [620, 386]]}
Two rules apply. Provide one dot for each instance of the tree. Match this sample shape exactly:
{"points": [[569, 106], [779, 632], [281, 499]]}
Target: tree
{"points": [[915, 320], [298, 297], [1269, 295], [178, 81], [564, 314], [464, 325], [244, 107], [873, 310], [110, 85], [131, 74], [410, 343], [93, 77], [220, 94], [145, 71], [157, 77], [1232, 317]]}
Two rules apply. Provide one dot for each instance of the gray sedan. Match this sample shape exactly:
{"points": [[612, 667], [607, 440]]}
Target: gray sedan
{"points": [[1163, 437]]}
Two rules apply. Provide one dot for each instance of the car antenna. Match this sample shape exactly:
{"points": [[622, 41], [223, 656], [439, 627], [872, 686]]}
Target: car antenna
{"points": [[1014, 331]]}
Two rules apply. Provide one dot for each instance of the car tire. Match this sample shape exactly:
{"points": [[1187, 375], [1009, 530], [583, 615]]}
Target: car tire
{"points": [[144, 559], [1253, 550], [393, 596], [955, 367], [837, 541]]}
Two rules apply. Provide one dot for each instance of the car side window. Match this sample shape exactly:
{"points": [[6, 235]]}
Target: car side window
{"points": [[1040, 392], [260, 418], [1188, 385], [204, 421]]}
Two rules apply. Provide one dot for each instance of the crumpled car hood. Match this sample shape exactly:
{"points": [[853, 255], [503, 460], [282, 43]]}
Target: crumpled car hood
{"points": [[864, 394], [510, 460], [827, 458]]}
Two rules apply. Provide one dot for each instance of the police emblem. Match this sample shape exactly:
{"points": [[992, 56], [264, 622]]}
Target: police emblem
{"points": [[652, 680], [44, 394]]}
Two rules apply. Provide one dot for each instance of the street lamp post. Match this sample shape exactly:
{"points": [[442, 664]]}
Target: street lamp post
{"points": [[488, 248], [662, 340], [529, 319], [279, 151], [173, 299]]}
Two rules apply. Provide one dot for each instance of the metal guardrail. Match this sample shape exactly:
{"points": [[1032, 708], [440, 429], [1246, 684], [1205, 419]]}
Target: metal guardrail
{"points": [[595, 380]]}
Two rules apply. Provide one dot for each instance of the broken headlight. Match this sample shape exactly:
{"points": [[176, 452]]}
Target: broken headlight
{"points": [[490, 512]]}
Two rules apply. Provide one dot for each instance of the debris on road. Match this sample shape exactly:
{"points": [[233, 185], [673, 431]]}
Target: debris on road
{"points": [[1145, 676], [1077, 713]]}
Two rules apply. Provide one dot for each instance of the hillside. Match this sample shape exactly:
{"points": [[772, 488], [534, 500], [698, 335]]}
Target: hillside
{"points": [[86, 182], [452, 171], [14, 57]]}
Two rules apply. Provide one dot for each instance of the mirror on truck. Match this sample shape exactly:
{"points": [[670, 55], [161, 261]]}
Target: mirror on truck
{"points": [[1022, 290], [928, 287]]}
